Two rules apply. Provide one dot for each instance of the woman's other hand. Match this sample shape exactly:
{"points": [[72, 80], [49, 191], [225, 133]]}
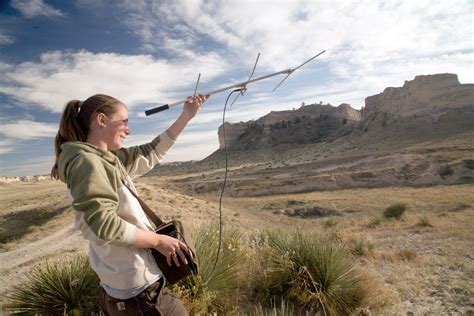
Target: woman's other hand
{"points": [[173, 249], [170, 247]]}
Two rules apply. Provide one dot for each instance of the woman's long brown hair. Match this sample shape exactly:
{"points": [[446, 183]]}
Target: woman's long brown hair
{"points": [[76, 119]]}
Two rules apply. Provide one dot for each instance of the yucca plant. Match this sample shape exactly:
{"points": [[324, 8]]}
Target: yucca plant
{"points": [[315, 273], [57, 288], [214, 288], [285, 308]]}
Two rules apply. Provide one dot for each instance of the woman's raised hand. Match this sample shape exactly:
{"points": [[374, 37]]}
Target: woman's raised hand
{"points": [[193, 104]]}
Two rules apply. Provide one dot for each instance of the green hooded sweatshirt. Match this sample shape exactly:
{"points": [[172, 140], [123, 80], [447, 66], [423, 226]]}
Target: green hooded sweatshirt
{"points": [[107, 213]]}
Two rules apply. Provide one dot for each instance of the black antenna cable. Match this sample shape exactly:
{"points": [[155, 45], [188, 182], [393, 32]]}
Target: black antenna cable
{"points": [[223, 186]]}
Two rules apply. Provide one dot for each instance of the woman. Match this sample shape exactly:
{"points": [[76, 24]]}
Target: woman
{"points": [[99, 172]]}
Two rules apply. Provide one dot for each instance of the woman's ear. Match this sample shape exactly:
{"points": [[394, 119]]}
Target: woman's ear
{"points": [[100, 119]]}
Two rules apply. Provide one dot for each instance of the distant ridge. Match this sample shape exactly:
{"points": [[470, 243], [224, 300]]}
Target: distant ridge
{"points": [[24, 178], [308, 124], [420, 134], [427, 107]]}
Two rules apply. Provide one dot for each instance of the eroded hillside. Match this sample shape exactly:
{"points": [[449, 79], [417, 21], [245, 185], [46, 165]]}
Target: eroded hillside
{"points": [[420, 134]]}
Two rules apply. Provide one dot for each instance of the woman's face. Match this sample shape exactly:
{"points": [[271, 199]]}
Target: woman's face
{"points": [[116, 128]]}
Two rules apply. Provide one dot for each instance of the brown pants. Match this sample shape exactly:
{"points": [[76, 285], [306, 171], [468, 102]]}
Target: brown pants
{"points": [[155, 300]]}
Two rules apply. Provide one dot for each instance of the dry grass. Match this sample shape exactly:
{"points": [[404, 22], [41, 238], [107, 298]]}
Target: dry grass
{"points": [[422, 268], [413, 268]]}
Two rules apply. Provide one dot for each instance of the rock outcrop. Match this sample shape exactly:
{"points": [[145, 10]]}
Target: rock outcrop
{"points": [[232, 133], [423, 95], [419, 134], [427, 108], [309, 123]]}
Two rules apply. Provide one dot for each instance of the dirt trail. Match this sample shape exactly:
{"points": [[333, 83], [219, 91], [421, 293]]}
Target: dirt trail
{"points": [[19, 261]]}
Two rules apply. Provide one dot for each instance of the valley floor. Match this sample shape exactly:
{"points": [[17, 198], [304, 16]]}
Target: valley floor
{"points": [[420, 264]]}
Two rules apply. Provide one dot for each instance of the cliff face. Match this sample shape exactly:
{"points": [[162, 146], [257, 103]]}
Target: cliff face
{"points": [[232, 132], [310, 123], [423, 95], [417, 135], [424, 109]]}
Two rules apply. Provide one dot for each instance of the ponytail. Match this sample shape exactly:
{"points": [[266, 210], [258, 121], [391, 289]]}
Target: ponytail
{"points": [[75, 122], [69, 130]]}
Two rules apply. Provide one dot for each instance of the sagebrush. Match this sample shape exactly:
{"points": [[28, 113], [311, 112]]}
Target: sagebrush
{"points": [[395, 211]]}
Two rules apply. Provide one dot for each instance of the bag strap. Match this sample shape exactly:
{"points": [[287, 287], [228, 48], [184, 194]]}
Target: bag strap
{"points": [[148, 211]]}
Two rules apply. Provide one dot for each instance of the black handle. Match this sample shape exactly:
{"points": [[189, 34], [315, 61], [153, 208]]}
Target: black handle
{"points": [[156, 110]]}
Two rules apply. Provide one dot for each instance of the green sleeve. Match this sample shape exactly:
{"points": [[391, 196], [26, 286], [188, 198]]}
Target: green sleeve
{"points": [[94, 191], [128, 155], [141, 159]]}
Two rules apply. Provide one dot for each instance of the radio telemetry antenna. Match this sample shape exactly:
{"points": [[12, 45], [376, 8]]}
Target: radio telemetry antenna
{"points": [[197, 84], [242, 85], [243, 88]]}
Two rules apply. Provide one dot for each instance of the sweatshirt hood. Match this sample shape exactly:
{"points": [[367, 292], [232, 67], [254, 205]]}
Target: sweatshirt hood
{"points": [[72, 150]]}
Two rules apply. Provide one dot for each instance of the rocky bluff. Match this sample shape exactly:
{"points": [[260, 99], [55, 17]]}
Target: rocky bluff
{"points": [[309, 124], [423, 95], [431, 102]]}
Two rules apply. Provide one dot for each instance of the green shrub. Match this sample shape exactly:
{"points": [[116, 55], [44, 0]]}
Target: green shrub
{"points": [[313, 272], [395, 211], [213, 290], [424, 222], [57, 288]]}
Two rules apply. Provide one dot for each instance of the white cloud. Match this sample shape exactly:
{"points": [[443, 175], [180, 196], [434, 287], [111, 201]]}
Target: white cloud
{"points": [[204, 118], [190, 145], [193, 145], [32, 8], [358, 35], [278, 26], [195, 151], [158, 31], [7, 145], [370, 44], [6, 39], [62, 76], [25, 129], [138, 139]]}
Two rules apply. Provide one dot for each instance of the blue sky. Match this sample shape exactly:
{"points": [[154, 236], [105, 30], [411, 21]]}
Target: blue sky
{"points": [[147, 53]]}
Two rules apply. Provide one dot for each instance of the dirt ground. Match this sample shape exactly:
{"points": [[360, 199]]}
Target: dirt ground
{"points": [[423, 264]]}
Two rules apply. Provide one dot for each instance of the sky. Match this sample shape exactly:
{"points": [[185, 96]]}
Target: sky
{"points": [[148, 53]]}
